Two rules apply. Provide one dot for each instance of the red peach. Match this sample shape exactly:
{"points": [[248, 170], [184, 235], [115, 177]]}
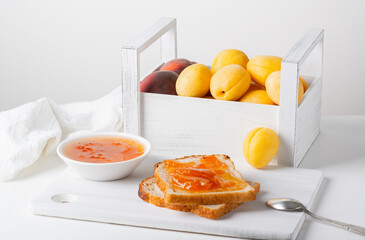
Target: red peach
{"points": [[176, 65], [160, 82]]}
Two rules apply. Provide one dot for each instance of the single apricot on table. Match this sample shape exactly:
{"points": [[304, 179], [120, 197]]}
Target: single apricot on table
{"points": [[260, 146]]}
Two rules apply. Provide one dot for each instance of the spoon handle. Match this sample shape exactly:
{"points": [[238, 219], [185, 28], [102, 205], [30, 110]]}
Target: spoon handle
{"points": [[350, 227]]}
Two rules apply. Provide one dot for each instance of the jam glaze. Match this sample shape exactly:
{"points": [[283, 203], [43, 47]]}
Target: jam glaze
{"points": [[208, 174]]}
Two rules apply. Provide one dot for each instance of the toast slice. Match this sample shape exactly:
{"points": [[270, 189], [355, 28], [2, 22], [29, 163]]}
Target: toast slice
{"points": [[174, 195], [149, 192]]}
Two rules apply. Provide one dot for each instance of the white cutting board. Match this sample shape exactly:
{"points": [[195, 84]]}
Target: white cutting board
{"points": [[117, 202]]}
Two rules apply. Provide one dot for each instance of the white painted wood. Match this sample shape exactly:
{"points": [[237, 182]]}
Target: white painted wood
{"points": [[185, 126], [130, 91], [304, 46], [290, 71], [152, 34], [169, 44], [309, 111], [165, 29], [308, 119], [288, 112], [117, 202]]}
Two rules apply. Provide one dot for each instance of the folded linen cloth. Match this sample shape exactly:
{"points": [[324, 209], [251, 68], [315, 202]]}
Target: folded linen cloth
{"points": [[28, 130]]}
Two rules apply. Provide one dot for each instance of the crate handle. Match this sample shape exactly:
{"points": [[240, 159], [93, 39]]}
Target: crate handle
{"points": [[290, 67], [164, 29]]}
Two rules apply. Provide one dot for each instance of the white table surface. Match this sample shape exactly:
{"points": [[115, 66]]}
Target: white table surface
{"points": [[339, 152]]}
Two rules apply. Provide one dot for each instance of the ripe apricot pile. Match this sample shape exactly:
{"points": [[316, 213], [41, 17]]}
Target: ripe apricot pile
{"points": [[232, 77]]}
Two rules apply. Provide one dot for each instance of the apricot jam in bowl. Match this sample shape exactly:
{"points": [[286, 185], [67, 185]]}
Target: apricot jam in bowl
{"points": [[104, 156]]}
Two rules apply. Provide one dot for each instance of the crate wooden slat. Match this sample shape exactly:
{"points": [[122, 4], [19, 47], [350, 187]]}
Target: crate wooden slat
{"points": [[296, 136], [182, 125], [204, 124], [164, 29], [307, 129]]}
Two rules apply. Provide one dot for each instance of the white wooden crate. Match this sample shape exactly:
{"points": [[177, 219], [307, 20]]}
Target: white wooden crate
{"points": [[180, 126]]}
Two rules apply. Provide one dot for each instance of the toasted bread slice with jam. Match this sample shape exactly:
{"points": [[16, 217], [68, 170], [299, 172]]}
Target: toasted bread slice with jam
{"points": [[149, 192], [175, 195]]}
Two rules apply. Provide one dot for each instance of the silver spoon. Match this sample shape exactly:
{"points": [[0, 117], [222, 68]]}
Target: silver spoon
{"points": [[292, 205]]}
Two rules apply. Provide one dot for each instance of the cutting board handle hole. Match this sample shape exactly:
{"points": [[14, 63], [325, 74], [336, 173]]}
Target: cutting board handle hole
{"points": [[63, 198]]}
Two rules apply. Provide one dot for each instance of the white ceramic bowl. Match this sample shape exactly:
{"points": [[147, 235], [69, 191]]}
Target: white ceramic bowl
{"points": [[104, 171]]}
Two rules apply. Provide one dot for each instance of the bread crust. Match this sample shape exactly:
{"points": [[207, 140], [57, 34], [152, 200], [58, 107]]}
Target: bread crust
{"points": [[206, 198], [147, 197], [159, 201], [206, 211]]}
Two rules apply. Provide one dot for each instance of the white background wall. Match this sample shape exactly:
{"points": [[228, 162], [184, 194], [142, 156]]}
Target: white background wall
{"points": [[70, 50]]}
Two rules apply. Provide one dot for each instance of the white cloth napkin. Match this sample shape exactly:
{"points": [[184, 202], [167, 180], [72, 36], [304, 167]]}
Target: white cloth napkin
{"points": [[41, 125]]}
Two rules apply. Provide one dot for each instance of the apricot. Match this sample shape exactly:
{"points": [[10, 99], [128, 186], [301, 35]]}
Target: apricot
{"points": [[194, 81], [230, 82], [305, 84], [260, 67], [209, 97], [176, 65], [228, 57], [159, 82], [255, 95], [260, 146], [273, 87], [254, 86]]}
